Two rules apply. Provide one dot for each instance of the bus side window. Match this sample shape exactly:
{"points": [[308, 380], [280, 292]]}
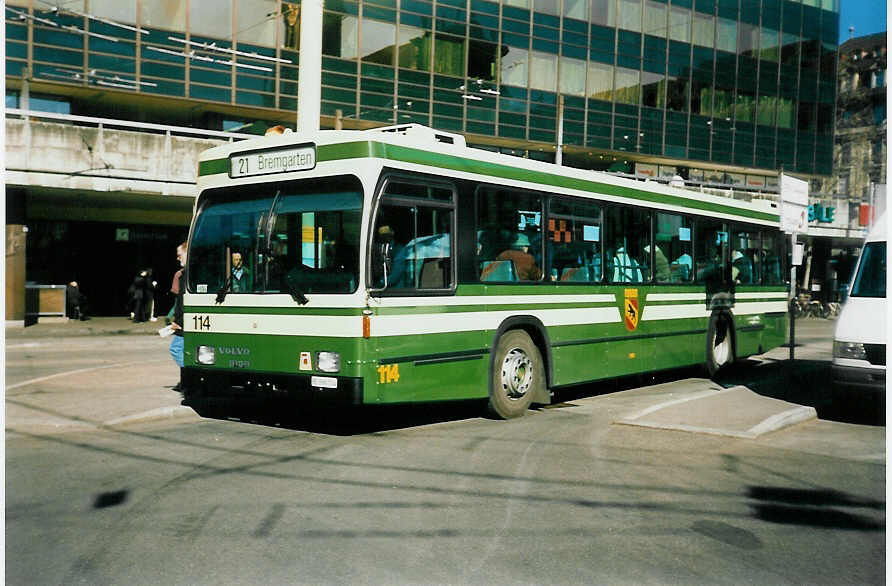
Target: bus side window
{"points": [[573, 240], [628, 235], [509, 230], [412, 240]]}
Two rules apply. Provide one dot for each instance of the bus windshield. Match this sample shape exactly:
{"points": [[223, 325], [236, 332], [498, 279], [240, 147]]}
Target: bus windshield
{"points": [[871, 278], [278, 238]]}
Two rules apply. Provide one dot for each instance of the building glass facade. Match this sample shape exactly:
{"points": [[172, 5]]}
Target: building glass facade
{"points": [[732, 83]]}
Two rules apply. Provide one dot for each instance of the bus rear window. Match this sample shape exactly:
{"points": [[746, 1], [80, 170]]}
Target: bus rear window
{"points": [[870, 281]]}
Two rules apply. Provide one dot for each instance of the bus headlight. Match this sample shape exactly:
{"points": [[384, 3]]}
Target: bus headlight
{"points": [[328, 361], [205, 354], [854, 350]]}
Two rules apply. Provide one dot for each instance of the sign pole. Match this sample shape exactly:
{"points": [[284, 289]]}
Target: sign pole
{"points": [[792, 297], [793, 221]]}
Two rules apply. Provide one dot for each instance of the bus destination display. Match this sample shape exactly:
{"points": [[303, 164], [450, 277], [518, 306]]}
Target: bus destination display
{"points": [[266, 162]]}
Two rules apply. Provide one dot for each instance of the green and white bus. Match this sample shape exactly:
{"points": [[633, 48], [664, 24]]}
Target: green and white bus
{"points": [[398, 265]]}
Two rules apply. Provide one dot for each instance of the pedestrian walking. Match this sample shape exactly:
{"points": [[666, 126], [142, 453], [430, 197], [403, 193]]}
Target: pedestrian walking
{"points": [[178, 287]]}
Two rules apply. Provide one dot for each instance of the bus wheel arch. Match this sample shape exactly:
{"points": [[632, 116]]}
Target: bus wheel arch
{"points": [[721, 342]]}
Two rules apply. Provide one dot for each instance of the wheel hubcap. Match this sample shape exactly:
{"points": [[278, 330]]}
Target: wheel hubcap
{"points": [[517, 373]]}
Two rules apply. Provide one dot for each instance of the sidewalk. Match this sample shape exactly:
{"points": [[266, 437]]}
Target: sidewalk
{"points": [[96, 326]]}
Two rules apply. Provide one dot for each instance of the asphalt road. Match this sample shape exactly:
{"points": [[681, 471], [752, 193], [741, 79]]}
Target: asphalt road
{"points": [[422, 495]]}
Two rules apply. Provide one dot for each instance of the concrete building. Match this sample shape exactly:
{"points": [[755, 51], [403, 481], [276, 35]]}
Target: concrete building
{"points": [[722, 92], [845, 204]]}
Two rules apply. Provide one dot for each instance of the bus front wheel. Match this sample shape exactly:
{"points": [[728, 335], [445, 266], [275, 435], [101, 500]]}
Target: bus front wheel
{"points": [[719, 343], [517, 375]]}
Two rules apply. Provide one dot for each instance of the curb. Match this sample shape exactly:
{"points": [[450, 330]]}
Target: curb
{"points": [[171, 412]]}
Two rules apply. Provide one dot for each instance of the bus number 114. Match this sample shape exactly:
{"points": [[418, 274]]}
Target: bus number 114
{"points": [[201, 322]]}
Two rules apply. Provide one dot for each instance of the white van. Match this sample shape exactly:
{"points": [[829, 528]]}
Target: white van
{"points": [[859, 344]]}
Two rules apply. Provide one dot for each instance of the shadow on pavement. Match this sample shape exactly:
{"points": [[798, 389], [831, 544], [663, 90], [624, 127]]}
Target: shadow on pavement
{"points": [[344, 421], [805, 382]]}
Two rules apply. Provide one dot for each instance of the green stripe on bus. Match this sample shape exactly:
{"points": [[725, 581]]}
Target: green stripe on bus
{"points": [[363, 149]]}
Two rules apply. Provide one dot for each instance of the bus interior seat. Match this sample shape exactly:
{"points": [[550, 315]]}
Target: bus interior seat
{"points": [[575, 274], [434, 273], [498, 270]]}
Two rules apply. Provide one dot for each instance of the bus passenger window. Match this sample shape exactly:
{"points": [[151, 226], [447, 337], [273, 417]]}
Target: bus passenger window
{"points": [[711, 242], [673, 260], [412, 241], [573, 241], [772, 264], [509, 235], [628, 233], [745, 259]]}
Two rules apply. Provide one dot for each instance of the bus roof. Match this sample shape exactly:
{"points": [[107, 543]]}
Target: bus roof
{"points": [[447, 153]]}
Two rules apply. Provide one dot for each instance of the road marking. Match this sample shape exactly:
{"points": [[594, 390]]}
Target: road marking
{"points": [[78, 371], [28, 345]]}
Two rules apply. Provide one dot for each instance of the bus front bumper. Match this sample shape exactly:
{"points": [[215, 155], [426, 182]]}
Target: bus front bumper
{"points": [[322, 389]]}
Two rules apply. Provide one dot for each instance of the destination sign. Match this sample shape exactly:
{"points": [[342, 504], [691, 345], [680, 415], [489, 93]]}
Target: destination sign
{"points": [[278, 161]]}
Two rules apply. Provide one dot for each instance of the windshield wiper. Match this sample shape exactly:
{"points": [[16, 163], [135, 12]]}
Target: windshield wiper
{"points": [[226, 288]]}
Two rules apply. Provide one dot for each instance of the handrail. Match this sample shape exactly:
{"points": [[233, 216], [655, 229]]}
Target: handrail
{"points": [[111, 122]]}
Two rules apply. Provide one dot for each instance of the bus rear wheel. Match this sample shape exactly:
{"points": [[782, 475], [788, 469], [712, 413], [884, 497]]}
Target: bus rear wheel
{"points": [[719, 343], [517, 375]]}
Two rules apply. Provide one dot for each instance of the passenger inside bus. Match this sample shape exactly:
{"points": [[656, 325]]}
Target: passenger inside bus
{"points": [[519, 254], [741, 268]]}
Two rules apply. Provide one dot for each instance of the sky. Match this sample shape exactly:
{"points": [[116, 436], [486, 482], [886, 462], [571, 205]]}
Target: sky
{"points": [[867, 16]]}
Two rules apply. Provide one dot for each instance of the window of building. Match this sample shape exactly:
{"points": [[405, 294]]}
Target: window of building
{"points": [[627, 88], [167, 14], [573, 241], [12, 99], [653, 87], [209, 18], [52, 104], [377, 43], [765, 110], [680, 24], [449, 55], [603, 12], [786, 112], [769, 48], [483, 60], [255, 26], [339, 35], [514, 67], [123, 11], [572, 76], [547, 6], [655, 18], [629, 15], [677, 94], [414, 48], [876, 151], [845, 155], [576, 9], [748, 39], [543, 71], [842, 184], [704, 29], [790, 50], [600, 81], [726, 35]]}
